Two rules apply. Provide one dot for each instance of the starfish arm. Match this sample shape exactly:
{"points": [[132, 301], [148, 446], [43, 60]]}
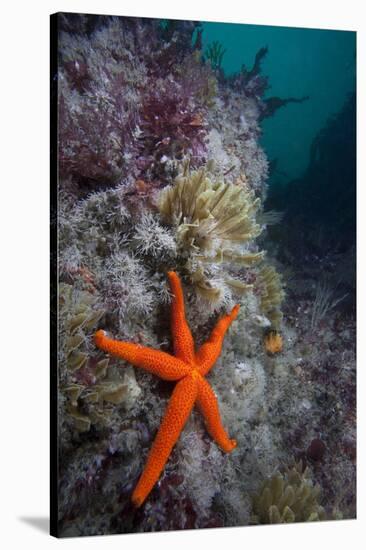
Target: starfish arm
{"points": [[182, 338], [207, 404], [176, 415], [157, 362], [209, 352]]}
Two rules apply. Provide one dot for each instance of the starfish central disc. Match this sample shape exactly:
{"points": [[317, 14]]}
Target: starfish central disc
{"points": [[188, 368]]}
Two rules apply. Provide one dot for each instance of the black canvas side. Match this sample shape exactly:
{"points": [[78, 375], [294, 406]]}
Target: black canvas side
{"points": [[53, 274]]}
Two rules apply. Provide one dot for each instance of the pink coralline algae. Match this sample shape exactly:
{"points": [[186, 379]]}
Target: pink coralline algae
{"points": [[131, 103], [172, 126]]}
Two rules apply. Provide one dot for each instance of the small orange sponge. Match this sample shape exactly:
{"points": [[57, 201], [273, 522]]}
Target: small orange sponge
{"points": [[273, 342]]}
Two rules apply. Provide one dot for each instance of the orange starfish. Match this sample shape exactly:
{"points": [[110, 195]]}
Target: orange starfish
{"points": [[187, 368]]}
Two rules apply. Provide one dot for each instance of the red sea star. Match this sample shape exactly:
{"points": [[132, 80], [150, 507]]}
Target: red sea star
{"points": [[187, 368]]}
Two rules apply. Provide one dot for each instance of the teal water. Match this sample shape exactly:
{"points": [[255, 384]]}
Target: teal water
{"points": [[299, 62]]}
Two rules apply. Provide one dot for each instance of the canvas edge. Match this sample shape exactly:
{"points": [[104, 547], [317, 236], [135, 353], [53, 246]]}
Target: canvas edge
{"points": [[54, 531]]}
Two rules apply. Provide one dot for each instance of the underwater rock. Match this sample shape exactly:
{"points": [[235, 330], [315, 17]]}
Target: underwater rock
{"points": [[129, 211]]}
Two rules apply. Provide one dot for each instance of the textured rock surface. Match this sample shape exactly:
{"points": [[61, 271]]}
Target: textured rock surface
{"points": [[117, 151]]}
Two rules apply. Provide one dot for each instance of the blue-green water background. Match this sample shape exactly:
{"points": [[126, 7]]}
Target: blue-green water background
{"points": [[299, 62]]}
